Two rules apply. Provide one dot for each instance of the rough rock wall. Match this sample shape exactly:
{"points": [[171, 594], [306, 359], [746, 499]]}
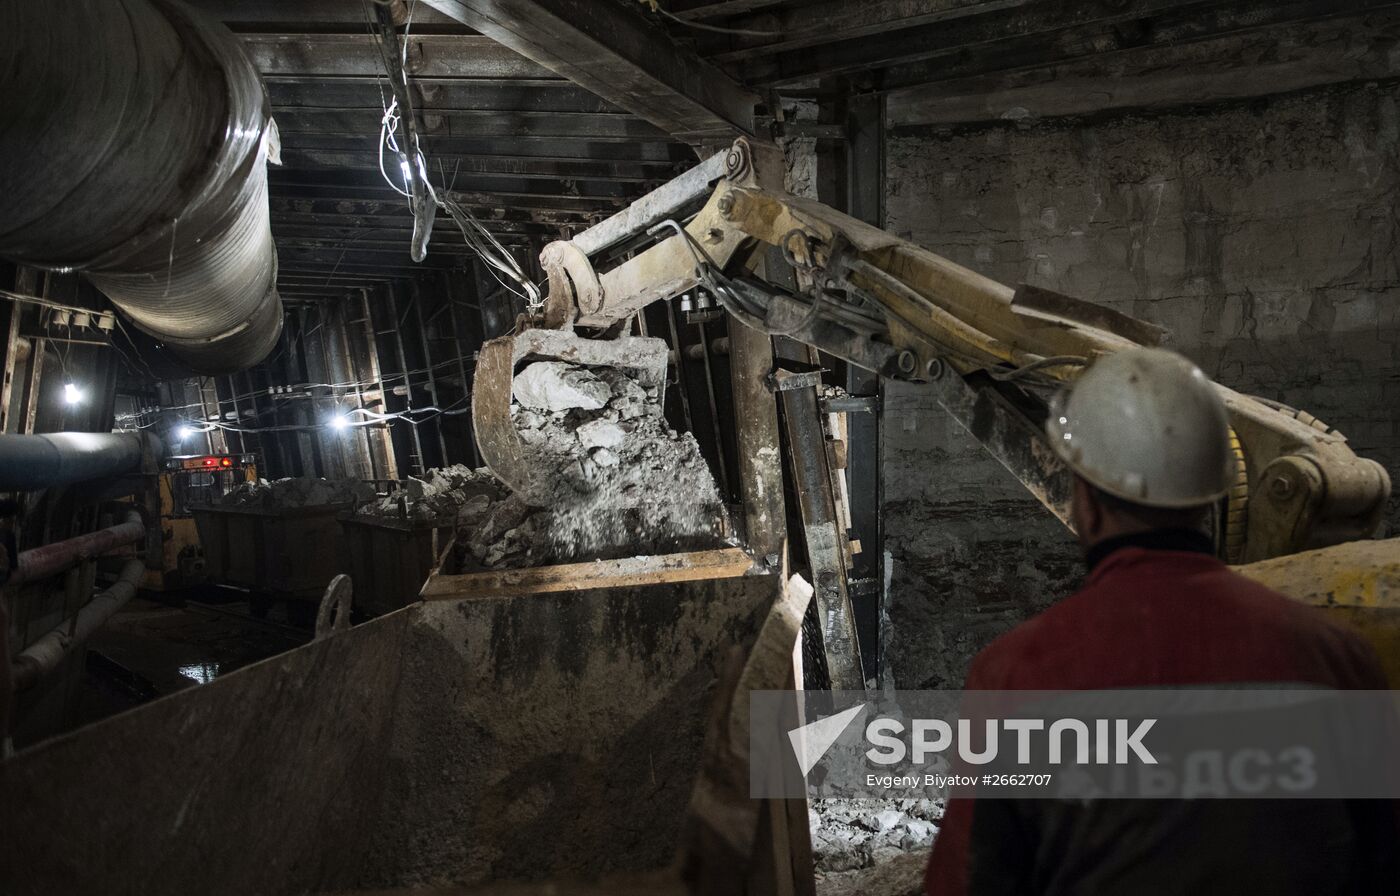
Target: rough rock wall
{"points": [[1262, 234]]}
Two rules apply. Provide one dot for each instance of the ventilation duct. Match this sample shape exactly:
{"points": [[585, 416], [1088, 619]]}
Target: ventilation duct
{"points": [[134, 136]]}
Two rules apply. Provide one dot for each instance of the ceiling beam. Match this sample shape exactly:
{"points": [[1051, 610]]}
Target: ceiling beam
{"points": [[1236, 66], [468, 123], [1169, 28], [1040, 22], [613, 50], [827, 21], [371, 182], [329, 229], [447, 93], [467, 166], [651, 151], [350, 195], [311, 13], [429, 56], [357, 210]]}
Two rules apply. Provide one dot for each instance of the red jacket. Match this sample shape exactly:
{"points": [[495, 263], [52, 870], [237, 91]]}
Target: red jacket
{"points": [[1150, 617]]}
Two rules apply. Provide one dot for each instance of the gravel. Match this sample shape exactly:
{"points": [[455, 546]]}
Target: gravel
{"points": [[850, 834], [438, 496]]}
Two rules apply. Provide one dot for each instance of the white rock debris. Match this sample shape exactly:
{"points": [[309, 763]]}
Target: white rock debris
{"points": [[620, 481], [438, 496], [558, 386], [858, 833]]}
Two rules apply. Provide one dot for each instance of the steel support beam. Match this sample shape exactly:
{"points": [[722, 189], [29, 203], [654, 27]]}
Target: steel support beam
{"points": [[864, 163], [613, 50], [823, 534], [1009, 432]]}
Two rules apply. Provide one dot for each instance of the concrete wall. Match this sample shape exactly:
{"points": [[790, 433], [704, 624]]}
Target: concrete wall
{"points": [[1263, 234]]}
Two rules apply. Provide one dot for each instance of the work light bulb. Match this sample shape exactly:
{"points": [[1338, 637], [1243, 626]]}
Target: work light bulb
{"points": [[72, 394], [340, 421], [184, 432]]}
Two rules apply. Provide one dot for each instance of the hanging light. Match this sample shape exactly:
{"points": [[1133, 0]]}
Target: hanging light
{"points": [[72, 394]]}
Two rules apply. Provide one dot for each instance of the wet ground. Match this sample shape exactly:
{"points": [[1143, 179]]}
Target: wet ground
{"points": [[160, 644]]}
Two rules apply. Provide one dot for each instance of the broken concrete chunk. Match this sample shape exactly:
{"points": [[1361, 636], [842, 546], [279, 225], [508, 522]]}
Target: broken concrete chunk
{"points": [[473, 510], [887, 819], [921, 831], [601, 434], [557, 386], [603, 457], [524, 418]]}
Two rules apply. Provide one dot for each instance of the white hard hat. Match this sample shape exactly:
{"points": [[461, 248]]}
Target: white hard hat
{"points": [[1145, 425]]}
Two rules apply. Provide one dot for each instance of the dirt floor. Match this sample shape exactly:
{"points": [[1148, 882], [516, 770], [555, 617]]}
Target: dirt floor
{"points": [[150, 649]]}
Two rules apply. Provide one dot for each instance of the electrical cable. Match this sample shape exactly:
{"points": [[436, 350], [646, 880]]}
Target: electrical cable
{"points": [[655, 7]]}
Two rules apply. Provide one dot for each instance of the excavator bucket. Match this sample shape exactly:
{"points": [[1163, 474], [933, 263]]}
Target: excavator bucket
{"points": [[496, 434]]}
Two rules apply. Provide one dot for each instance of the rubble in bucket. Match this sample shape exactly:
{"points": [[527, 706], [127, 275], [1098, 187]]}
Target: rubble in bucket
{"points": [[303, 491], [621, 482], [439, 495]]}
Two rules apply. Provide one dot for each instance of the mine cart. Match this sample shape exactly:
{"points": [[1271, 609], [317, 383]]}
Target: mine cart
{"points": [[290, 552], [586, 728], [389, 559]]}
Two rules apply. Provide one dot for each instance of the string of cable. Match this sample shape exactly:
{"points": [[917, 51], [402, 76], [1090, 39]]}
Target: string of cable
{"points": [[499, 261], [656, 7], [371, 418]]}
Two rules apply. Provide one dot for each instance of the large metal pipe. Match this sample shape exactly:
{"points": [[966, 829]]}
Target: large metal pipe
{"points": [[47, 653], [133, 143], [37, 564], [63, 458]]}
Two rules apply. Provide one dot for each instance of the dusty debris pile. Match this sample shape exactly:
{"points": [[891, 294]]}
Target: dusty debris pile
{"points": [[297, 492], [621, 482], [438, 496], [857, 833]]}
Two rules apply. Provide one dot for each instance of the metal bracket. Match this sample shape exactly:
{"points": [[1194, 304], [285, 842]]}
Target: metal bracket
{"points": [[794, 376], [334, 613], [571, 277], [851, 404]]}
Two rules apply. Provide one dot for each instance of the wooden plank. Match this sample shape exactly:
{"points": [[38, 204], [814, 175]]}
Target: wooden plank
{"points": [[616, 52], [724, 563], [357, 55]]}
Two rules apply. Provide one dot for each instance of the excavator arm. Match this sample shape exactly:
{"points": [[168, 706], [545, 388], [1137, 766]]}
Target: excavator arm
{"points": [[860, 294]]}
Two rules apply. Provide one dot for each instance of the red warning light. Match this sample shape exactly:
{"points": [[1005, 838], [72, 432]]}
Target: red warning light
{"points": [[228, 462], [209, 461]]}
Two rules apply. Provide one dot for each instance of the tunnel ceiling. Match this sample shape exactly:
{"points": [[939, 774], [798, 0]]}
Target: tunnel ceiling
{"points": [[537, 156], [547, 119]]}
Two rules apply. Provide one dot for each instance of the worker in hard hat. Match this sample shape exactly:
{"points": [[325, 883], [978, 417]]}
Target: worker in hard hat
{"points": [[1147, 438]]}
